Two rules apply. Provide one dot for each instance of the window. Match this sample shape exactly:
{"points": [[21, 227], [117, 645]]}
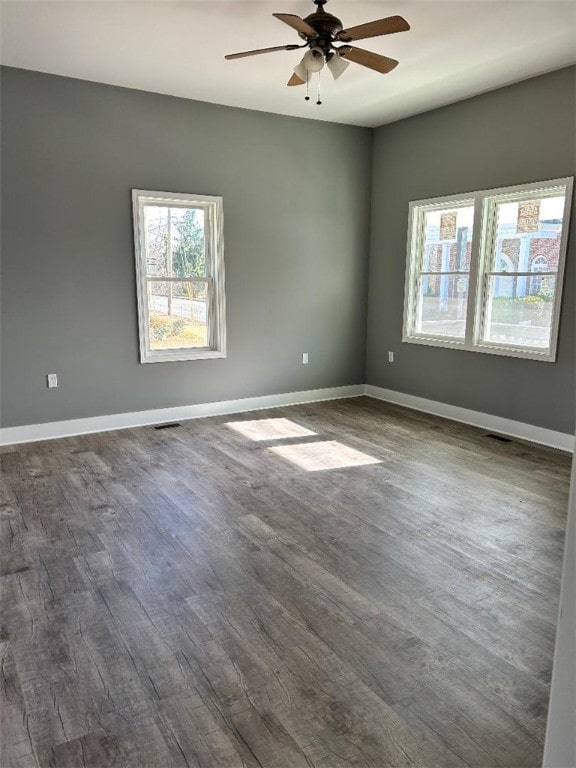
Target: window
{"points": [[484, 270], [180, 273]]}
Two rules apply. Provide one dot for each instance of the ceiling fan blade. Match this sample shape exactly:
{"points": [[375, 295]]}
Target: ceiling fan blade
{"points": [[386, 26], [368, 59], [297, 23], [295, 80], [291, 47]]}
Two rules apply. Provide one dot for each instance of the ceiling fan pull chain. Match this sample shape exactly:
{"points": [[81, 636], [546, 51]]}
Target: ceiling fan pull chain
{"points": [[307, 97], [319, 100]]}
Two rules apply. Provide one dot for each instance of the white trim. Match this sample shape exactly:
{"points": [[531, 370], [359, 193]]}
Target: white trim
{"points": [[54, 429], [417, 211], [487, 348], [519, 429], [214, 230], [51, 430], [30, 433], [484, 234]]}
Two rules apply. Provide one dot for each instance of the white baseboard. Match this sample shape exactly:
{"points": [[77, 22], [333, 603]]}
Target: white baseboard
{"points": [[49, 431], [519, 429], [32, 432]]}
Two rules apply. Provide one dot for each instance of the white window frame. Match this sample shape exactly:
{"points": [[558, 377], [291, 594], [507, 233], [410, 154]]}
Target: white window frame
{"points": [[214, 242], [484, 231]]}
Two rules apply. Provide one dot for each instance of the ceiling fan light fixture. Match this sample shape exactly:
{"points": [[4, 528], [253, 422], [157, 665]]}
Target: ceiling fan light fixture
{"points": [[327, 41], [301, 71], [337, 65], [313, 60]]}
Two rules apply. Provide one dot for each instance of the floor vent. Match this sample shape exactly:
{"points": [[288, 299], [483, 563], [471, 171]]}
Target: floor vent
{"points": [[168, 426], [500, 438]]}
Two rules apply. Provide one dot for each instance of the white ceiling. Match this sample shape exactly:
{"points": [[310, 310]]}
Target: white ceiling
{"points": [[454, 50]]}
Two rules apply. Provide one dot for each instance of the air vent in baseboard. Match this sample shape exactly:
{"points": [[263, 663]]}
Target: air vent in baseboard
{"points": [[168, 426], [500, 438]]}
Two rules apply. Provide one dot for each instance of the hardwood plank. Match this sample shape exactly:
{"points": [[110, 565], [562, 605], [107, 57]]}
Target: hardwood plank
{"points": [[190, 597]]}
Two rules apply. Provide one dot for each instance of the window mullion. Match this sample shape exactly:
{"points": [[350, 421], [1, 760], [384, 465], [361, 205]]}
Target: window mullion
{"points": [[165, 279], [456, 272], [475, 282], [511, 273]]}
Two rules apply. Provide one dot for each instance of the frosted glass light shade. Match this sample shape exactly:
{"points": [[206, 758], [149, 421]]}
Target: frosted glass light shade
{"points": [[301, 71], [313, 60], [337, 65]]}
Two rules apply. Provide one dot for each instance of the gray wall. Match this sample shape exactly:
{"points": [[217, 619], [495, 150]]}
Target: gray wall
{"points": [[296, 211], [296, 207], [518, 134]]}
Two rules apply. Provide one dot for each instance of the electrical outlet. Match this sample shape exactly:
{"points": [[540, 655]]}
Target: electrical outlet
{"points": [[304, 358], [52, 380], [390, 357]]}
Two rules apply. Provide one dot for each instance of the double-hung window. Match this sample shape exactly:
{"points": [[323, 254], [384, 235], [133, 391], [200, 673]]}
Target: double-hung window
{"points": [[484, 270], [180, 274]]}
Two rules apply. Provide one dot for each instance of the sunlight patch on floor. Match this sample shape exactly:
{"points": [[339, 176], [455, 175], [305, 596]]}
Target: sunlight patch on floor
{"points": [[269, 429], [328, 454]]}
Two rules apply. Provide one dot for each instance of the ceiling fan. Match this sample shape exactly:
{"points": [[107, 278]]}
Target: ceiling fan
{"points": [[321, 31]]}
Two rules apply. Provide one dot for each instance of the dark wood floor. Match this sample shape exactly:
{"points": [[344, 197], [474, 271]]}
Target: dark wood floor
{"points": [[219, 596]]}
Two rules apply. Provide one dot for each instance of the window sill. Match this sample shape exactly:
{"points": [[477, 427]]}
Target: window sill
{"points": [[181, 356], [544, 356]]}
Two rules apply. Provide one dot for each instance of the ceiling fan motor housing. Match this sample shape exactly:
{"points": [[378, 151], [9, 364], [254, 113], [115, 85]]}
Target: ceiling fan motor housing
{"points": [[327, 27]]}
